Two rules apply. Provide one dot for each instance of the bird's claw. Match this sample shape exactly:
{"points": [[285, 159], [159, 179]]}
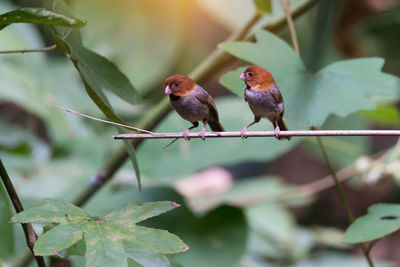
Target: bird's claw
{"points": [[203, 134], [243, 133], [186, 135], [277, 132]]}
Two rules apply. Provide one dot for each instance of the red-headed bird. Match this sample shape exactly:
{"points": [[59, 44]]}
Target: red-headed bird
{"points": [[264, 98], [192, 103]]}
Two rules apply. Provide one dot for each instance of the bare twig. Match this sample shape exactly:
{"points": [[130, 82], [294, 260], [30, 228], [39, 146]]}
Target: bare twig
{"points": [[109, 122], [30, 235], [263, 134], [286, 9], [44, 49]]}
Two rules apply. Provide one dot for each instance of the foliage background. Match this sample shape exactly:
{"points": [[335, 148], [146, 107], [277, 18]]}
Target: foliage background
{"points": [[237, 210]]}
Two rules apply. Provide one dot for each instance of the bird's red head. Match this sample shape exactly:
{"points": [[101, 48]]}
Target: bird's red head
{"points": [[179, 85], [257, 78]]}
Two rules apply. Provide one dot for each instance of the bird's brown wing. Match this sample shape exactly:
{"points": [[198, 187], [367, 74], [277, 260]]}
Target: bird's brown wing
{"points": [[206, 99], [276, 94]]}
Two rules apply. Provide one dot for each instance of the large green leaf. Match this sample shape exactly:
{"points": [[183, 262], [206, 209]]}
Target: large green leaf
{"points": [[6, 230], [38, 16], [381, 220], [339, 88], [98, 74], [103, 236]]}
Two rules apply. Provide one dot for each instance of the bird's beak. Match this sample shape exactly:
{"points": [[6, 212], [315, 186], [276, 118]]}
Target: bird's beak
{"points": [[168, 90], [242, 77]]}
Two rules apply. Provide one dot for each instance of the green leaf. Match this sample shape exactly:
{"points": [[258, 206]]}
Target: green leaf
{"points": [[6, 230], [384, 115], [39, 16], [144, 256], [381, 220], [263, 6], [98, 74], [339, 88], [103, 236]]}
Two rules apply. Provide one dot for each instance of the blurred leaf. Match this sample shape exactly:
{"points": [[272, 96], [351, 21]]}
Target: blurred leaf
{"points": [[245, 193], [6, 230], [38, 16], [384, 115], [329, 236], [339, 88], [183, 158], [263, 6], [381, 220], [217, 239], [103, 235], [97, 74]]}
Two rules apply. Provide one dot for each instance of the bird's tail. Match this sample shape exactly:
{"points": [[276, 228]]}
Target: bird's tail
{"points": [[283, 127], [216, 126]]}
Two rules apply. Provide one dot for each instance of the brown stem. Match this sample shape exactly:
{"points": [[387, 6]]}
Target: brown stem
{"points": [[45, 49], [30, 235], [292, 29], [263, 134]]}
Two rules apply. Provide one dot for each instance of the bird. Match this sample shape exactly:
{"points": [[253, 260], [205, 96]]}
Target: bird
{"points": [[193, 104], [264, 99]]}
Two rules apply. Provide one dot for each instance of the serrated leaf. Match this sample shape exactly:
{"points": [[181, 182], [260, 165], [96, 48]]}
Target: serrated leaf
{"points": [[339, 88], [263, 6], [6, 229], [52, 210], [381, 220], [39, 16], [133, 212], [98, 74], [103, 236]]}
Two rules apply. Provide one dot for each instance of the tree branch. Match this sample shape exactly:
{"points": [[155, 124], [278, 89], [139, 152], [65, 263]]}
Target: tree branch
{"points": [[263, 134], [45, 49], [30, 235]]}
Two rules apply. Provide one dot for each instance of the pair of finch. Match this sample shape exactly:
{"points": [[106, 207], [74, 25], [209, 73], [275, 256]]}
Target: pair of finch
{"points": [[194, 104]]}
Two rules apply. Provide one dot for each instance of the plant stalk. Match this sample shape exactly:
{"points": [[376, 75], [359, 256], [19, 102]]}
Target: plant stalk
{"points": [[30, 234]]}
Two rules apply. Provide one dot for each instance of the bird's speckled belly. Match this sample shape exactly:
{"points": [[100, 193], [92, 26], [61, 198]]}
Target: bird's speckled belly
{"points": [[263, 104]]}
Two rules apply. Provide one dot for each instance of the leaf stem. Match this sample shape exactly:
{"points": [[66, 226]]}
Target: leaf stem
{"points": [[286, 9], [30, 234], [44, 49], [342, 197]]}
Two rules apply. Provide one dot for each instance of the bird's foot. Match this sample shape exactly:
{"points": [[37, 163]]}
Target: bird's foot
{"points": [[186, 134], [203, 134], [277, 132], [243, 133]]}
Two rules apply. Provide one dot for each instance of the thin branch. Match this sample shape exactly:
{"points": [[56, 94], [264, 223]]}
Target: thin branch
{"points": [[44, 49], [30, 234], [286, 8], [342, 197], [263, 134], [109, 122]]}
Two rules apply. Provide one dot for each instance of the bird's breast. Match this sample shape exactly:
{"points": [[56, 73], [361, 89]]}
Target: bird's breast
{"points": [[190, 108], [263, 104]]}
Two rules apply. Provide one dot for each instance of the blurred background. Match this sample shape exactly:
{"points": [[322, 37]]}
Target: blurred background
{"points": [[244, 205]]}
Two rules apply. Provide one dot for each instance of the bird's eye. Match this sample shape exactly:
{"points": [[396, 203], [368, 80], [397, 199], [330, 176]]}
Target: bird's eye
{"points": [[250, 74], [176, 84]]}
